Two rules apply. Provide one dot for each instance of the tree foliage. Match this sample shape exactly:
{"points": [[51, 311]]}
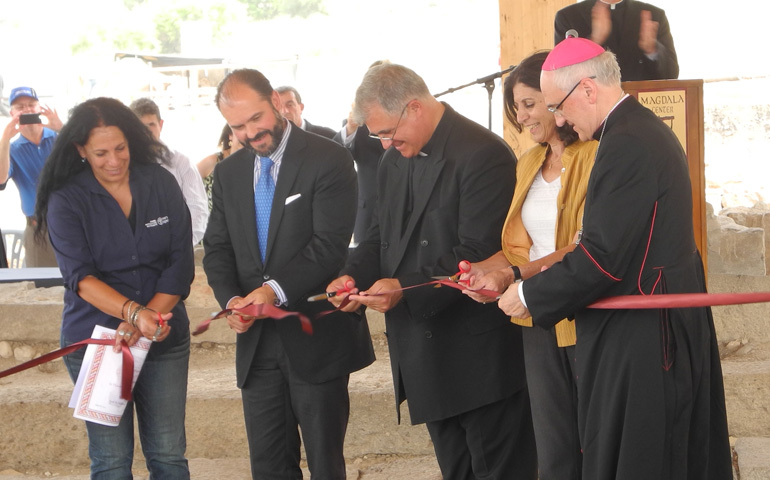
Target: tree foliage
{"points": [[267, 9], [168, 27]]}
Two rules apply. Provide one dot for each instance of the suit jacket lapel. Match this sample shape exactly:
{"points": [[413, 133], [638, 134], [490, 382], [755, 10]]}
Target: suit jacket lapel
{"points": [[243, 186]]}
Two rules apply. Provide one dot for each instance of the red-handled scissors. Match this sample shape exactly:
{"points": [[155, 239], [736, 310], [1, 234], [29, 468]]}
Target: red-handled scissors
{"points": [[464, 266]]}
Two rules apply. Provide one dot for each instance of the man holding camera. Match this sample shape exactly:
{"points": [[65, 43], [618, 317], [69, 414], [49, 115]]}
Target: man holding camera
{"points": [[23, 160]]}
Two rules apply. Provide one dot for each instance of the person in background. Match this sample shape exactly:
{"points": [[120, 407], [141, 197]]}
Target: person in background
{"points": [[650, 394], [367, 151], [121, 232], [178, 164], [23, 161], [636, 32], [545, 214], [282, 216], [444, 185], [292, 108], [228, 145]]}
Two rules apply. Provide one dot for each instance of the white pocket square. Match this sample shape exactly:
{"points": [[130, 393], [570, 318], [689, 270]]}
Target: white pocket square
{"points": [[292, 198]]}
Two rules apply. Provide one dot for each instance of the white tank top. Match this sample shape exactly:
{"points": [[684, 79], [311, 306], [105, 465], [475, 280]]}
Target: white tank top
{"points": [[539, 213]]}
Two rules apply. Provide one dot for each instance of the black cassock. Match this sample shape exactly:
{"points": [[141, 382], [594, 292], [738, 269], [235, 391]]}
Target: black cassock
{"points": [[650, 390]]}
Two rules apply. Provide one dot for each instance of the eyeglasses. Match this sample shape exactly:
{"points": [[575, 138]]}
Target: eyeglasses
{"points": [[392, 135], [557, 109]]}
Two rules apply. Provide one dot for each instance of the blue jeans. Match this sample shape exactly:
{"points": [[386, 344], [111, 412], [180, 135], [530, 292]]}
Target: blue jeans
{"points": [[160, 394]]}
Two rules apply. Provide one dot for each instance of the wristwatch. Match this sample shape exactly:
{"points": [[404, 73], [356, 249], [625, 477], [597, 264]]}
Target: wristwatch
{"points": [[516, 273]]}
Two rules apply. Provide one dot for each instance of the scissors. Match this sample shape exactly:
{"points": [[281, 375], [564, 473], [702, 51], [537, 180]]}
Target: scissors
{"points": [[464, 266]]}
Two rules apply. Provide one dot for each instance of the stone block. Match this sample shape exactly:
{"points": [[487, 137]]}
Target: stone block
{"points": [[24, 353], [741, 322], [735, 249], [753, 458], [747, 388], [6, 350], [757, 216]]}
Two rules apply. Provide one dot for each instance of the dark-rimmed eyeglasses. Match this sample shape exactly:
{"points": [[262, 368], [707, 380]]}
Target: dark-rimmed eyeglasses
{"points": [[557, 109], [391, 136]]}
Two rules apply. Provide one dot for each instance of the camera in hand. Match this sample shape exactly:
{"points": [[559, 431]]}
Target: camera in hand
{"points": [[29, 118]]}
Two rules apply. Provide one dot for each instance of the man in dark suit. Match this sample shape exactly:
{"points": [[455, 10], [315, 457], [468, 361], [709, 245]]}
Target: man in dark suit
{"points": [[444, 187], [287, 378], [636, 32], [366, 153], [292, 108]]}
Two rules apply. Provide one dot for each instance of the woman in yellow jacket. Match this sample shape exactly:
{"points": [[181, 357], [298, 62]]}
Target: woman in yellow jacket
{"points": [[545, 215]]}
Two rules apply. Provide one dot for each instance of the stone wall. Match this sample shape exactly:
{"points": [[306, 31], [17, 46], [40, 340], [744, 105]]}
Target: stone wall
{"points": [[737, 244]]}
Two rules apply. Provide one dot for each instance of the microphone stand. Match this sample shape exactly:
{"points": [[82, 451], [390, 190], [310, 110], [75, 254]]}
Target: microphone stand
{"points": [[489, 84]]}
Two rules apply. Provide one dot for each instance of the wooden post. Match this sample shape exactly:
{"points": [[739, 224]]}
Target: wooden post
{"points": [[525, 26]]}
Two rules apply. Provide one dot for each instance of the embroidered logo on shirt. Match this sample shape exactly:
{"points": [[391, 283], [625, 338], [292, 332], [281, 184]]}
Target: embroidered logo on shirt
{"points": [[156, 222]]}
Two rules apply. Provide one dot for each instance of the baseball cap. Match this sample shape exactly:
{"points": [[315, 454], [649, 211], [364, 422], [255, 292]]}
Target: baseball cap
{"points": [[21, 92]]}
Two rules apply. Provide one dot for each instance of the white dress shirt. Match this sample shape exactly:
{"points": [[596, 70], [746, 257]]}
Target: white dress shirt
{"points": [[190, 182]]}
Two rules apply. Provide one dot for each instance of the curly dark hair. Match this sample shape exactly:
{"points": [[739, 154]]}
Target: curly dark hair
{"points": [[528, 73], [65, 162]]}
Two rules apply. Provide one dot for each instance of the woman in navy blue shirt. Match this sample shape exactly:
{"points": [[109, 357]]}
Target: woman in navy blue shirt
{"points": [[122, 236]]}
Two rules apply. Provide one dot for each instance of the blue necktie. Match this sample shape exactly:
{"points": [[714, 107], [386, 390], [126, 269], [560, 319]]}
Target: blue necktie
{"points": [[263, 201]]}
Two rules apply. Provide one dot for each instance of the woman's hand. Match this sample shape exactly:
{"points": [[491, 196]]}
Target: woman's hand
{"points": [[496, 280], [125, 332], [153, 325]]}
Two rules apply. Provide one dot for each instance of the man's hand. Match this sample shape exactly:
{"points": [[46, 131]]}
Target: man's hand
{"points": [[648, 33], [351, 126], [601, 22], [347, 286], [241, 323], [382, 302], [510, 303], [54, 122]]}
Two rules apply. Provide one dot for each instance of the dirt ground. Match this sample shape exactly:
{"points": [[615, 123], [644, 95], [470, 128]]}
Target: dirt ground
{"points": [[369, 467]]}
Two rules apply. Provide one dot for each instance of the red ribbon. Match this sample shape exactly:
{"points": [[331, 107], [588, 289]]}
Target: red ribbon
{"points": [[438, 283], [679, 300], [127, 374], [258, 310]]}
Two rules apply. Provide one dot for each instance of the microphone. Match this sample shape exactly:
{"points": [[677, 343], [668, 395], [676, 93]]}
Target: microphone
{"points": [[571, 33]]}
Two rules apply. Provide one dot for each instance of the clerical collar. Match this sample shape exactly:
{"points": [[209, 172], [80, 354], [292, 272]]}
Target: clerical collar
{"points": [[612, 5], [598, 134]]}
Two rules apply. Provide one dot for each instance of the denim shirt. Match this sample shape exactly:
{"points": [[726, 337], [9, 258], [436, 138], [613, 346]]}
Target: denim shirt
{"points": [[91, 236]]}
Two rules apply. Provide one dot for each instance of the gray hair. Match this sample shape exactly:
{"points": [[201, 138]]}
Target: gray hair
{"points": [[390, 86], [604, 67]]}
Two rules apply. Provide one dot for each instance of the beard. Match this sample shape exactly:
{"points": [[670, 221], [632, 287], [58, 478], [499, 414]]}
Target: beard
{"points": [[276, 134]]}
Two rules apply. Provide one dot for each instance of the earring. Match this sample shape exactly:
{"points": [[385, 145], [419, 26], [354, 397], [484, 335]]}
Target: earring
{"points": [[83, 160]]}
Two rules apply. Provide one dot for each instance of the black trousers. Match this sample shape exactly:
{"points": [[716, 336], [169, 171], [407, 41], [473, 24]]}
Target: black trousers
{"points": [[276, 402], [493, 442]]}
